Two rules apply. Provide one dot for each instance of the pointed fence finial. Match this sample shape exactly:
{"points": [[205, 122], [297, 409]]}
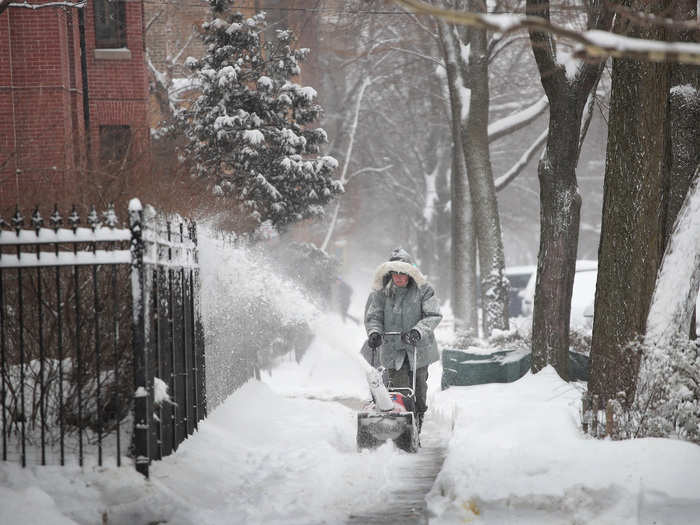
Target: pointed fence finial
{"points": [[37, 220], [17, 220], [74, 219], [55, 220], [110, 216], [92, 218]]}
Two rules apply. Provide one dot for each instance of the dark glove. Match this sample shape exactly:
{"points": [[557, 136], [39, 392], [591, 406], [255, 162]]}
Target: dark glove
{"points": [[375, 340], [411, 337]]}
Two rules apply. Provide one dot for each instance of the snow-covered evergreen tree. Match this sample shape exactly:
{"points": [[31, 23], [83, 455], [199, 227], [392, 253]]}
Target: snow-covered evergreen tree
{"points": [[248, 129]]}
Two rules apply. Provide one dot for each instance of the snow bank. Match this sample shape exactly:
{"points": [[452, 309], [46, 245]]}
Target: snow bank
{"points": [[259, 458], [517, 456]]}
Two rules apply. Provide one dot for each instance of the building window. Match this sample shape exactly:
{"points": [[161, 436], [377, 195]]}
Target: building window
{"points": [[115, 142], [110, 24]]}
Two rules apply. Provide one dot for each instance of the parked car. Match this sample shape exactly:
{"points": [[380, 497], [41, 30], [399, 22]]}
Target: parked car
{"points": [[588, 311], [518, 276], [582, 296]]}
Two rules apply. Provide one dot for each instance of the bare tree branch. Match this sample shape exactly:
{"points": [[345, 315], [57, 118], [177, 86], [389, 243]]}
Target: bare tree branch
{"points": [[588, 110], [420, 55], [544, 47], [593, 44], [153, 19], [370, 170]]}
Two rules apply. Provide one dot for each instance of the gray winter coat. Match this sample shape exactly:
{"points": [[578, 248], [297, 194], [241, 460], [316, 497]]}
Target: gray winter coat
{"points": [[393, 309]]}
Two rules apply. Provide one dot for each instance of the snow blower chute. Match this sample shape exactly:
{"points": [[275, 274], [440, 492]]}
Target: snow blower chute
{"points": [[391, 413]]}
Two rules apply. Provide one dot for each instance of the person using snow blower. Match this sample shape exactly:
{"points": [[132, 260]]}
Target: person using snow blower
{"points": [[403, 301]]}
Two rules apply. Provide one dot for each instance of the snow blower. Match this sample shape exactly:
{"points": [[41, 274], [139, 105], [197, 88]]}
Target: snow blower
{"points": [[390, 414]]}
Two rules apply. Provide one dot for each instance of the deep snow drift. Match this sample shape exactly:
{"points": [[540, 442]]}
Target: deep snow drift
{"points": [[517, 456]]}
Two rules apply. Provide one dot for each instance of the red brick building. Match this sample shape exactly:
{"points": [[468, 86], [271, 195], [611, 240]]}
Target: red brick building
{"points": [[73, 97]]}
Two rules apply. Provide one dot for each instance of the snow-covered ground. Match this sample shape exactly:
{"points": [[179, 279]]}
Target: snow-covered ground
{"points": [[282, 450], [268, 454], [517, 455]]}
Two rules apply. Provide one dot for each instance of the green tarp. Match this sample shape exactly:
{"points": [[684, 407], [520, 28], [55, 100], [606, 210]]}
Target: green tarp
{"points": [[463, 368]]}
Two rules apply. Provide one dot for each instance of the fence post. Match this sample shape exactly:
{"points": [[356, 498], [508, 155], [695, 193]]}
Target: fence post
{"points": [[198, 333], [141, 437]]}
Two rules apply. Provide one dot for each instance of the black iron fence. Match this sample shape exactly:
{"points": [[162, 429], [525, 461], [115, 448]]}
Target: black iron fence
{"points": [[168, 337], [99, 327]]}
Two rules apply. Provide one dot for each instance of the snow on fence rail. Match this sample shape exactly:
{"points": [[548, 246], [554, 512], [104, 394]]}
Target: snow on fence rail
{"points": [[90, 318]]}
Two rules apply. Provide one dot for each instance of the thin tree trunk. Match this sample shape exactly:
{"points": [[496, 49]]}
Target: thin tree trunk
{"points": [[463, 241], [346, 161], [475, 141]]}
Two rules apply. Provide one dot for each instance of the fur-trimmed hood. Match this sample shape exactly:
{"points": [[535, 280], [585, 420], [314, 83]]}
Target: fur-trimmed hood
{"points": [[381, 274]]}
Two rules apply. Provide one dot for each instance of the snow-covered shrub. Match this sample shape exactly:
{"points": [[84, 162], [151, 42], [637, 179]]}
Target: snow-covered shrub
{"points": [[249, 129], [580, 341], [667, 398], [511, 339], [464, 339], [67, 362]]}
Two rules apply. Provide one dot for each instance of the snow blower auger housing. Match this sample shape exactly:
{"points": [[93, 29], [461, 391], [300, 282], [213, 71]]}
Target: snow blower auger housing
{"points": [[391, 413]]}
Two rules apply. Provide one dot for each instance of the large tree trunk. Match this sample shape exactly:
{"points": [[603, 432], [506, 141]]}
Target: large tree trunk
{"points": [[463, 242], [494, 290], [560, 202], [632, 232]]}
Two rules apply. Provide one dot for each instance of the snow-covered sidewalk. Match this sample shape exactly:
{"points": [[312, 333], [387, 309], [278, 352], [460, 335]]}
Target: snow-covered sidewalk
{"points": [[270, 454], [282, 450], [517, 455]]}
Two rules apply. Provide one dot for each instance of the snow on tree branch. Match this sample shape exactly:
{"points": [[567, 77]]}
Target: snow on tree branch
{"points": [[591, 44], [516, 121], [505, 179]]}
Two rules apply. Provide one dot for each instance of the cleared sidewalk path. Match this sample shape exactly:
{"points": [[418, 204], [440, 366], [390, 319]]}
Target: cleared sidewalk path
{"points": [[406, 504]]}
